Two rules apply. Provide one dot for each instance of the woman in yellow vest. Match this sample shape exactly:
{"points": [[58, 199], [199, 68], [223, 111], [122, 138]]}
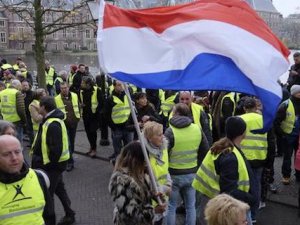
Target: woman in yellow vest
{"points": [[156, 145], [226, 170]]}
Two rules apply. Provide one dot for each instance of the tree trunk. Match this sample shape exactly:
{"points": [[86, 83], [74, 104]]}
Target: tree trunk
{"points": [[39, 49]]}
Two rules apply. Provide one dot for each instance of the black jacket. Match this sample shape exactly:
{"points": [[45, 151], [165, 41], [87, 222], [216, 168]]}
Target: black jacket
{"points": [[48, 214], [54, 143], [227, 168]]}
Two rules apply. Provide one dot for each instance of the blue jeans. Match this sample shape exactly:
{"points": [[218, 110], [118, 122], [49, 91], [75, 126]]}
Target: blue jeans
{"points": [[182, 184], [120, 138], [257, 172], [290, 146]]}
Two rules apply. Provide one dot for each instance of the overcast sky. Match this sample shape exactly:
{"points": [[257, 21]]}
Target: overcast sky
{"points": [[286, 7]]}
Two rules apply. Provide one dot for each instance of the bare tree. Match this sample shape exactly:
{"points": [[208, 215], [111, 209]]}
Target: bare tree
{"points": [[46, 17]]}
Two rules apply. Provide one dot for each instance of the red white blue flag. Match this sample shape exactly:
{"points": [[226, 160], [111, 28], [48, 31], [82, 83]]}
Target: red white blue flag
{"points": [[203, 45]]}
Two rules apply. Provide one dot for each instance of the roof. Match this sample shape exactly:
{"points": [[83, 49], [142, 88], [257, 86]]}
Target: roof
{"points": [[262, 5]]}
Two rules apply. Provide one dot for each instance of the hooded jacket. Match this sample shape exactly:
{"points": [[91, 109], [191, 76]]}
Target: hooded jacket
{"points": [[54, 142], [182, 122]]}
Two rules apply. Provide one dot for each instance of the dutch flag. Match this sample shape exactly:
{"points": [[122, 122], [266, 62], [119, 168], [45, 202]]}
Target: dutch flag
{"points": [[203, 45]]}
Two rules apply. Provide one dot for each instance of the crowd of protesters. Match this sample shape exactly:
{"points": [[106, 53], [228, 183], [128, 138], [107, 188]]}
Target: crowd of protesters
{"points": [[200, 144]]}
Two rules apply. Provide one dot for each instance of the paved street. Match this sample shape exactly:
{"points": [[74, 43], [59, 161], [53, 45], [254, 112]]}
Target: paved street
{"points": [[87, 186]]}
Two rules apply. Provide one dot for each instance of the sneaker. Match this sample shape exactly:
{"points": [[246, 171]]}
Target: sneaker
{"points": [[286, 180], [273, 188], [262, 205], [67, 220]]}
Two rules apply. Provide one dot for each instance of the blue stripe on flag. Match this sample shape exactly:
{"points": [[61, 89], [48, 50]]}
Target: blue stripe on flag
{"points": [[207, 72]]}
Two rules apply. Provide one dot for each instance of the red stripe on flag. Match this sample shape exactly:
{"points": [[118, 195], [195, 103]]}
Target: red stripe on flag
{"points": [[234, 12]]}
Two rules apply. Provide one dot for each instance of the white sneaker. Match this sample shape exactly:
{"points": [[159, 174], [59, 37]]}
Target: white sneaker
{"points": [[262, 205]]}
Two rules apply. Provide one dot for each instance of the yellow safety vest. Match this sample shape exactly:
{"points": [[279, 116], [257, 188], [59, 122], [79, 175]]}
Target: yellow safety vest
{"points": [[254, 146], [184, 154], [22, 202], [167, 104], [8, 105], [65, 155], [59, 79], [210, 121], [16, 67], [94, 100], [287, 125], [121, 111], [70, 78], [160, 171], [6, 66], [35, 125], [24, 73], [49, 76], [60, 104], [133, 88], [207, 179], [231, 96]]}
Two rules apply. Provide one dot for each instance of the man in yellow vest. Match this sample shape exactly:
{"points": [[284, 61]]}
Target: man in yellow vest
{"points": [[254, 145], [12, 107], [50, 75], [68, 103], [168, 99], [24, 198], [287, 125], [118, 111], [50, 152], [198, 115], [187, 147]]}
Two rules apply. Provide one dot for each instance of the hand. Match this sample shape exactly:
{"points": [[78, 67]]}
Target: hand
{"points": [[145, 119], [168, 191], [159, 209]]}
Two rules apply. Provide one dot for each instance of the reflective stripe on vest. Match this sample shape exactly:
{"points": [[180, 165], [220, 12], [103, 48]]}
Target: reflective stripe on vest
{"points": [[65, 155], [287, 125], [167, 104], [60, 104], [94, 100], [231, 96], [59, 79], [185, 151], [254, 146], [49, 76], [35, 125], [22, 202], [207, 179], [8, 104], [121, 111]]}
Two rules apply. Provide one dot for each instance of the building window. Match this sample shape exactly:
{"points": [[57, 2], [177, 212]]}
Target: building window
{"points": [[88, 17], [2, 23], [66, 46], [87, 34], [74, 33], [54, 35], [3, 37]]}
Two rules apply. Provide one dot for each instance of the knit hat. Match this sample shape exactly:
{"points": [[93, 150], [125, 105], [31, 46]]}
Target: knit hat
{"points": [[234, 127], [295, 89]]}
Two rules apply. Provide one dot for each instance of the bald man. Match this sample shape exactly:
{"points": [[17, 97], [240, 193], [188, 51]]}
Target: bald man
{"points": [[24, 197], [198, 116]]}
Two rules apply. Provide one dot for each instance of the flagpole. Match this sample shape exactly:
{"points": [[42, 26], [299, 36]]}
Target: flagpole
{"points": [[138, 130]]}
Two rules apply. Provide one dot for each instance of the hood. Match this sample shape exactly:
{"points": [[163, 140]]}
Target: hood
{"points": [[7, 178], [56, 113], [180, 121]]}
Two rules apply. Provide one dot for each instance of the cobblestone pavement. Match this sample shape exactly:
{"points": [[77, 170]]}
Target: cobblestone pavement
{"points": [[87, 186]]}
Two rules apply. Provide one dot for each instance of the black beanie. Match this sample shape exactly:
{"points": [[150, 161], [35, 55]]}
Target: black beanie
{"points": [[234, 127]]}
